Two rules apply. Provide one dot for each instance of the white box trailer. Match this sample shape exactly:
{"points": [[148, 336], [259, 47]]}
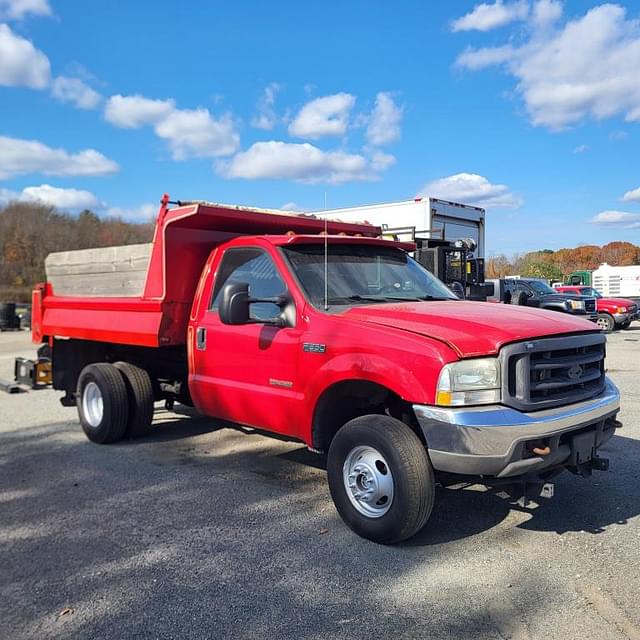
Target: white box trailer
{"points": [[441, 219], [623, 282]]}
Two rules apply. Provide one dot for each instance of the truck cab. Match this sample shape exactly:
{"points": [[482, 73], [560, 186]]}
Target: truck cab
{"points": [[532, 292]]}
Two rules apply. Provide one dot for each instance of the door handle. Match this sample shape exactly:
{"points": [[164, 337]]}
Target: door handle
{"points": [[201, 338]]}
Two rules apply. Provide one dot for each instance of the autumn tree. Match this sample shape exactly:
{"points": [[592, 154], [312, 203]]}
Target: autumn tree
{"points": [[30, 231]]}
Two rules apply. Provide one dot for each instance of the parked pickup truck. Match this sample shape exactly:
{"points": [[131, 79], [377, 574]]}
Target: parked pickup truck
{"points": [[536, 293], [330, 335], [613, 313]]}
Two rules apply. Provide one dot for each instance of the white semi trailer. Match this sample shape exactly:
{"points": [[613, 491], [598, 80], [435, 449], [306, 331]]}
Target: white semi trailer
{"points": [[622, 282], [427, 217]]}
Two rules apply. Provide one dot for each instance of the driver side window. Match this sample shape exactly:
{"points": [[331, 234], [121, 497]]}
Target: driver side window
{"points": [[257, 269]]}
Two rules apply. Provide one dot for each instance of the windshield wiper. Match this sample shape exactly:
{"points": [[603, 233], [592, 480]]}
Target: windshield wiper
{"points": [[436, 298], [360, 298]]}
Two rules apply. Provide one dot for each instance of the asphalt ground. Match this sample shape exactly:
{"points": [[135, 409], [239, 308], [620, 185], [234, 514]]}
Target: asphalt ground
{"points": [[201, 531]]}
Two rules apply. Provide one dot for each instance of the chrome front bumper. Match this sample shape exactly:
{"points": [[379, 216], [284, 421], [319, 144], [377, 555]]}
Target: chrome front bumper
{"points": [[625, 317], [491, 440]]}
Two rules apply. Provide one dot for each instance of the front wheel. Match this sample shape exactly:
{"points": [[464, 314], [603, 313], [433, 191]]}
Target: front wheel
{"points": [[605, 322], [624, 325], [380, 478]]}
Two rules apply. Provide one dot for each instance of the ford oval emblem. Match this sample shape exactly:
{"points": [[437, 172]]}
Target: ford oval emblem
{"points": [[575, 372]]}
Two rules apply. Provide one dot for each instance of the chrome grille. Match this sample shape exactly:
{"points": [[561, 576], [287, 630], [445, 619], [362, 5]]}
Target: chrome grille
{"points": [[550, 372], [590, 305]]}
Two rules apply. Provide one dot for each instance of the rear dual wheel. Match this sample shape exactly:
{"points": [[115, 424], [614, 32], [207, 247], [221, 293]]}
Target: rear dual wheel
{"points": [[114, 401], [380, 478]]}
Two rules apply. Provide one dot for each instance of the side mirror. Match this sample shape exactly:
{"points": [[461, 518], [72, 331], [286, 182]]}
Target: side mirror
{"points": [[457, 289], [235, 306], [234, 303]]}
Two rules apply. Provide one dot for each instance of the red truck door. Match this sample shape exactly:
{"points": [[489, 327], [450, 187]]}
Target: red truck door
{"points": [[246, 373]]}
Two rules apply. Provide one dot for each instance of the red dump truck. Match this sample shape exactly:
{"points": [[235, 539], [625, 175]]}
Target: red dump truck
{"points": [[326, 333]]}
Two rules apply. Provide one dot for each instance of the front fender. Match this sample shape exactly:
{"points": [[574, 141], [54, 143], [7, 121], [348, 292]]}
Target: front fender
{"points": [[367, 367], [373, 368]]}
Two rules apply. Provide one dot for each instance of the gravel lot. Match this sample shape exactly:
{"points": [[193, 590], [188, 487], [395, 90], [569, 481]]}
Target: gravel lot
{"points": [[205, 532]]}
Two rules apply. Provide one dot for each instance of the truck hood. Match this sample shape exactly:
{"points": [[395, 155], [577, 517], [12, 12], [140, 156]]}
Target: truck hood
{"points": [[470, 328], [618, 302]]}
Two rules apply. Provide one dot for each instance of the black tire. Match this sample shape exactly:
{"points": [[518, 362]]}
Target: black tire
{"points": [[518, 297], [109, 424], [141, 398], [606, 322], [411, 472], [624, 325]]}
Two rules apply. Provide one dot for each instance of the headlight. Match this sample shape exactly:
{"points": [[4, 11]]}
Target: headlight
{"points": [[577, 304], [622, 310], [465, 382]]}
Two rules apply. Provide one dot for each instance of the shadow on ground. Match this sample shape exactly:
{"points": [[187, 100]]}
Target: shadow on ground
{"points": [[203, 532]]}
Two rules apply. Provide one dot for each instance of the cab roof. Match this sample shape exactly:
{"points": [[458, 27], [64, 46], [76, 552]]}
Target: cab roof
{"points": [[301, 239]]}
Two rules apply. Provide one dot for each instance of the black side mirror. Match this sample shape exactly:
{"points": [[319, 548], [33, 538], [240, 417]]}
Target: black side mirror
{"points": [[457, 289], [234, 303]]}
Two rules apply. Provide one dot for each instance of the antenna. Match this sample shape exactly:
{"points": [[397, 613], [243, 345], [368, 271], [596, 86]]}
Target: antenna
{"points": [[326, 266]]}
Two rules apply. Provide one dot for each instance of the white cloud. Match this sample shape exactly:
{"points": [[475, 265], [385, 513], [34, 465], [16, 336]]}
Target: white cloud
{"points": [[189, 132], [20, 157], [74, 199], [266, 117], [290, 206], [485, 17], [18, 9], [586, 68], [617, 219], [381, 161], [384, 123], [143, 213], [133, 112], [471, 188], [75, 91], [546, 12], [474, 59], [326, 116], [195, 132], [617, 136], [632, 196], [299, 162], [21, 64], [69, 199], [581, 148]]}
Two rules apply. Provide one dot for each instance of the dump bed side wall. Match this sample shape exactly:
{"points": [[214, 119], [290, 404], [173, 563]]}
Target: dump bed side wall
{"points": [[109, 271]]}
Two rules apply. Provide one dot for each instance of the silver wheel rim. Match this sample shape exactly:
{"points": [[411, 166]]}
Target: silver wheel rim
{"points": [[92, 405], [368, 481], [602, 323]]}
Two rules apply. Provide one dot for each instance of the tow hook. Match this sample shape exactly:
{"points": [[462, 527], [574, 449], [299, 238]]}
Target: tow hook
{"points": [[541, 451]]}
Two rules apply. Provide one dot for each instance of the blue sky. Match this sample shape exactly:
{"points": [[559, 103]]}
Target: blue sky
{"points": [[530, 108]]}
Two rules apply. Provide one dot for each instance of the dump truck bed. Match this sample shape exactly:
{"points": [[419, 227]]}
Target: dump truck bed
{"points": [[154, 310]]}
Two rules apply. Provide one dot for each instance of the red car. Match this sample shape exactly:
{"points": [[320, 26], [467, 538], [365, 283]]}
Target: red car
{"points": [[613, 313]]}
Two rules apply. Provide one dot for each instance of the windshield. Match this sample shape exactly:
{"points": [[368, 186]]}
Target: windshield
{"points": [[362, 274], [540, 287], [589, 291]]}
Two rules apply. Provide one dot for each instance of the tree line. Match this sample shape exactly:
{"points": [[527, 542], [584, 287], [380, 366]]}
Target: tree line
{"points": [[30, 231], [556, 265]]}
